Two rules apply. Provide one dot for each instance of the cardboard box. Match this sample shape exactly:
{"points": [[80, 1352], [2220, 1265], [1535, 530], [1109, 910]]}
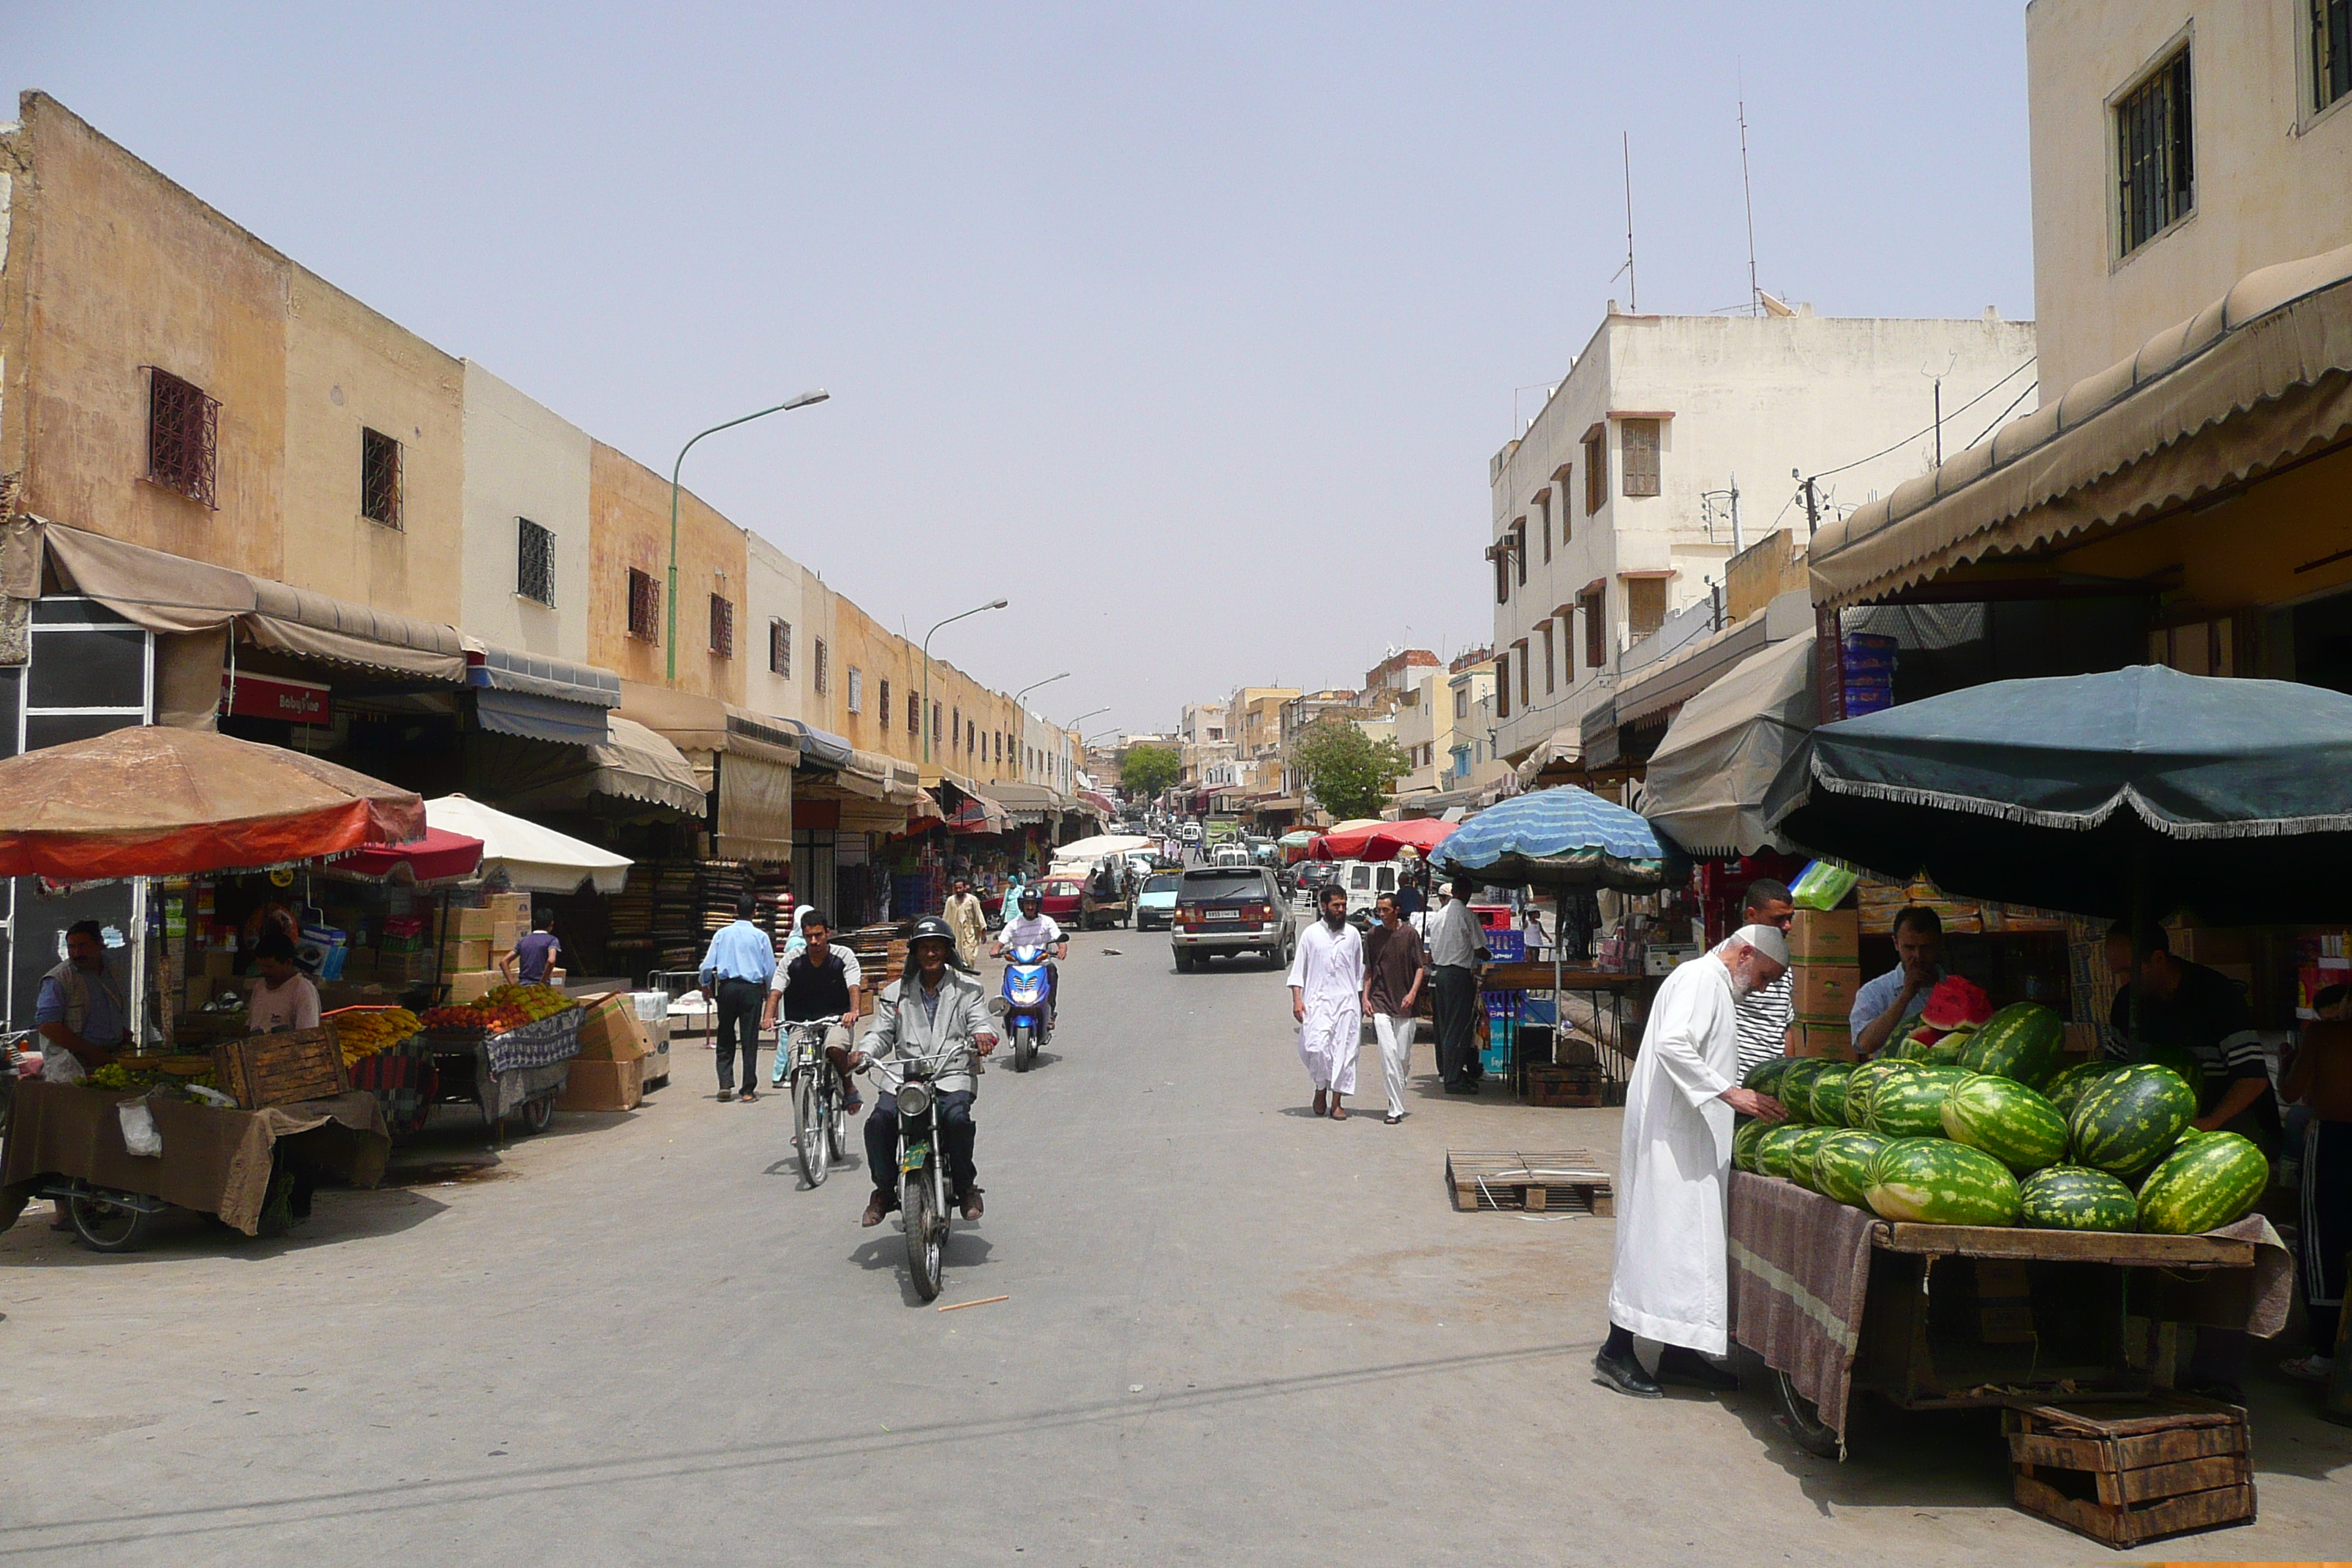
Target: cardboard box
{"points": [[595, 1085], [1831, 1040], [473, 984], [468, 923], [505, 933], [466, 953], [511, 907], [220, 963], [405, 968], [1826, 936], [1824, 992], [610, 1031]]}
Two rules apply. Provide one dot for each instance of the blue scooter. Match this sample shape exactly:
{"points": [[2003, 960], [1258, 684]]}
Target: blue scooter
{"points": [[1028, 994]]}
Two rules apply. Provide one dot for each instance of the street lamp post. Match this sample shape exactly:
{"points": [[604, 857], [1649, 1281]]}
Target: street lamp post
{"points": [[1071, 727], [976, 609], [1023, 712], [803, 400]]}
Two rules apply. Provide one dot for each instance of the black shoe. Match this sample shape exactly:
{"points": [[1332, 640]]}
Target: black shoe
{"points": [[725, 1095], [1680, 1364], [1626, 1376]]}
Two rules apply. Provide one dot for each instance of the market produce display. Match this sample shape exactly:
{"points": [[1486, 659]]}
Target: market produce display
{"points": [[1937, 1182], [1827, 1102], [2208, 1181], [2182, 1060], [1772, 1150], [1743, 1142], [1764, 1077], [2127, 1121], [362, 1032], [507, 1007], [1912, 1106], [1862, 1088], [1801, 1151], [1956, 1006], [2007, 1121], [1841, 1164], [2076, 1197], [2022, 1041], [154, 1072], [2067, 1090], [1796, 1091]]}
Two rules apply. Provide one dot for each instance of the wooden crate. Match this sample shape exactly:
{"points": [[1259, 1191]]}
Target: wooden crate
{"points": [[280, 1069], [2124, 1473], [1570, 1182], [1563, 1086]]}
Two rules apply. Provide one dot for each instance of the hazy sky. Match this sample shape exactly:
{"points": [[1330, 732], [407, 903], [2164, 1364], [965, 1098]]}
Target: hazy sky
{"points": [[1190, 329]]}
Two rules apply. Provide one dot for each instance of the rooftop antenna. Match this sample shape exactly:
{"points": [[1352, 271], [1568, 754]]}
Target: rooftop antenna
{"points": [[1748, 196], [1633, 288]]}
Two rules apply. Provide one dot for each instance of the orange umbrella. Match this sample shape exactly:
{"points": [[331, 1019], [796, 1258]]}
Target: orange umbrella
{"points": [[157, 801]]}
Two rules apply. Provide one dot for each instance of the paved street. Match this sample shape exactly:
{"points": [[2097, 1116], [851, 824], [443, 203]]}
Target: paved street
{"points": [[1234, 1334]]}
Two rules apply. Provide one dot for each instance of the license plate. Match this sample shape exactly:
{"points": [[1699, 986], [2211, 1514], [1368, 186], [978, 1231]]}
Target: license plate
{"points": [[1224, 914]]}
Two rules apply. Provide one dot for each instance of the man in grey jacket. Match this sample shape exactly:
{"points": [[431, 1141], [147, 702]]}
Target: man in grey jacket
{"points": [[933, 1012]]}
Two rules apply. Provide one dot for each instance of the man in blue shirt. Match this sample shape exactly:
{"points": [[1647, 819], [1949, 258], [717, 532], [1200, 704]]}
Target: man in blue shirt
{"points": [[1885, 1009], [736, 972], [80, 1011]]}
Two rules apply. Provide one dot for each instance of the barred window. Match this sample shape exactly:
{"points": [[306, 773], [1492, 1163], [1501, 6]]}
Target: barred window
{"points": [[722, 626], [379, 477], [856, 689], [971, 737], [644, 606], [1638, 441], [2156, 172], [882, 708], [183, 437], [914, 714], [824, 680], [535, 561], [936, 710], [780, 648]]}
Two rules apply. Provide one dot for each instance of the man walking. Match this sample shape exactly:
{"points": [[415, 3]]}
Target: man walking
{"points": [[1327, 984], [1765, 1014], [1394, 971], [970, 926], [1456, 944], [737, 969], [1671, 1280]]}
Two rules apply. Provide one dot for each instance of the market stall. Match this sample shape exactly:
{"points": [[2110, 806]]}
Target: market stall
{"points": [[508, 1053]]}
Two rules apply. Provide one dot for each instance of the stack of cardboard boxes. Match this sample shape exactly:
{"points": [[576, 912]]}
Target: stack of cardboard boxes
{"points": [[609, 1072], [1825, 958], [475, 942]]}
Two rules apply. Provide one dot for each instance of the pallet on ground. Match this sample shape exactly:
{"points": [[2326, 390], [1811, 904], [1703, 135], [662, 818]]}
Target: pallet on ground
{"points": [[2123, 1473], [1566, 1182]]}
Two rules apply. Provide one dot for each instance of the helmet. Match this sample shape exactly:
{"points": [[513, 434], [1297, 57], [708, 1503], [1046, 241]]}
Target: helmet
{"points": [[1030, 895], [928, 929]]}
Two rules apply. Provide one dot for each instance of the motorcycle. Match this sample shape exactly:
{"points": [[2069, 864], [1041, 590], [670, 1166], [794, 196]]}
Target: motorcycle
{"points": [[822, 1134], [923, 1171], [1023, 1005]]}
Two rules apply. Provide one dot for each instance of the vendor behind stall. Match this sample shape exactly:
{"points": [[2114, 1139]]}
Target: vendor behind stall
{"points": [[283, 998], [2201, 1011], [81, 1009], [1887, 1008]]}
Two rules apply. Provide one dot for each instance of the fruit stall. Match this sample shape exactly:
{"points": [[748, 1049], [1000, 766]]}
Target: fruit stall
{"points": [[507, 1054]]}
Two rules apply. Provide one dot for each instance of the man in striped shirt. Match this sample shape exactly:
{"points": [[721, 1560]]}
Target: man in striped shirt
{"points": [[1766, 1012]]}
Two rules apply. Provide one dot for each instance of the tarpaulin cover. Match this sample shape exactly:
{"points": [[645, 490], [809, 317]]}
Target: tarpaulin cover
{"points": [[1564, 837], [1705, 784], [631, 763], [157, 801], [1382, 839], [755, 808], [2233, 798], [439, 856], [534, 859]]}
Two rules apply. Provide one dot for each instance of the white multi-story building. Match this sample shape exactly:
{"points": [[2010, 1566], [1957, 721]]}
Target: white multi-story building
{"points": [[1616, 507]]}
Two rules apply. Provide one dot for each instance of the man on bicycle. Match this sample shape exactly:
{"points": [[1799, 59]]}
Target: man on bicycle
{"points": [[933, 1012], [823, 983]]}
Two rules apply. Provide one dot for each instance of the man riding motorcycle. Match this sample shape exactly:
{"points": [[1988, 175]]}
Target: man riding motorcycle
{"points": [[933, 1011], [1033, 927]]}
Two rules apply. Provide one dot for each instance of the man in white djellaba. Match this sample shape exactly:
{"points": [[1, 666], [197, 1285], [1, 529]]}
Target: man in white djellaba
{"points": [[1671, 1277]]}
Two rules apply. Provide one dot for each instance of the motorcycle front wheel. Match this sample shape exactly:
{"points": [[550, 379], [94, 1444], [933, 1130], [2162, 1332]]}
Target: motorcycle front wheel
{"points": [[927, 1238], [814, 1144]]}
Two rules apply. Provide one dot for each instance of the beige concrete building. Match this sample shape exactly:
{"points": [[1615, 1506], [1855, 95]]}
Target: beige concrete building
{"points": [[525, 572]]}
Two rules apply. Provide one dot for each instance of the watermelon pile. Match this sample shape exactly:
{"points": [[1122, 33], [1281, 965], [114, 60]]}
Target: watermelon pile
{"points": [[1975, 1121]]}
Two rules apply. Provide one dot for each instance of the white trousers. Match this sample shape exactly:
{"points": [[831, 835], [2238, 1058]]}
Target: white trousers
{"points": [[1326, 1044], [1394, 1031]]}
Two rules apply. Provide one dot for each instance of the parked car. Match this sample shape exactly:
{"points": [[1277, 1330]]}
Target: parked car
{"points": [[1155, 907], [1230, 910], [1312, 875], [1192, 834], [1230, 855], [1060, 896]]}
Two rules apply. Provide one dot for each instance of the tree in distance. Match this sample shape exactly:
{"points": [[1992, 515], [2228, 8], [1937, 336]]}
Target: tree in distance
{"points": [[1146, 769], [1348, 773]]}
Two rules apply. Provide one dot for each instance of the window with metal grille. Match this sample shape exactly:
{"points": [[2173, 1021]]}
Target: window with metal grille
{"points": [[2331, 52], [183, 437], [644, 606], [1596, 468], [1551, 665], [1594, 604], [780, 648], [379, 477], [824, 675], [1519, 548], [1638, 439], [535, 561], [2156, 173], [955, 728], [856, 689], [722, 626], [1646, 605], [882, 708], [914, 714]]}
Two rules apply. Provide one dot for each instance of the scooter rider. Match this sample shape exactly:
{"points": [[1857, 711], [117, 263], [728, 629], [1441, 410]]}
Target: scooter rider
{"points": [[932, 1011], [1032, 928]]}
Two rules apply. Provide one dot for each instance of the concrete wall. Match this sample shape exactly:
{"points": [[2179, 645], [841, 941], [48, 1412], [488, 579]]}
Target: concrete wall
{"points": [[778, 588], [2272, 173], [522, 461], [628, 526]]}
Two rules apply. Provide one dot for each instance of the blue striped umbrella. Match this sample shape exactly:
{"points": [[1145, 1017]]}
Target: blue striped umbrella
{"points": [[1559, 838]]}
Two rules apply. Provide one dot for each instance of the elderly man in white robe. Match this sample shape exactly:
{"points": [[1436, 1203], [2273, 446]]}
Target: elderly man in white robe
{"points": [[1671, 1280], [1327, 983]]}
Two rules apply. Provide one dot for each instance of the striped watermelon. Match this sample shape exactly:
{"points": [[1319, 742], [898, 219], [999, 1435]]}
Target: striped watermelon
{"points": [[1829, 1091], [1743, 1142], [2022, 1041], [1915, 1047], [2076, 1197], [2203, 1185], [1912, 1106], [1764, 1074], [1841, 1164], [1935, 1181], [2067, 1090], [2007, 1121], [1802, 1154], [1865, 1082], [2182, 1060], [1796, 1091], [1949, 1046], [1773, 1148], [2128, 1120]]}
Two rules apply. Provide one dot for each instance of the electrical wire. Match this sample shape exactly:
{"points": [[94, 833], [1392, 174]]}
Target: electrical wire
{"points": [[1930, 429], [2005, 413]]}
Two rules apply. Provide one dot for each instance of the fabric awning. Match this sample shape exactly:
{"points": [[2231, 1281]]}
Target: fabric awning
{"points": [[635, 763], [704, 726], [537, 718], [513, 669], [1706, 782], [755, 807], [2261, 376], [822, 748], [534, 859], [440, 856], [1598, 734], [1566, 745], [1030, 803]]}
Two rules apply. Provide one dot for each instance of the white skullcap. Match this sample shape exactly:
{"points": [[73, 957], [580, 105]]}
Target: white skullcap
{"points": [[1766, 939]]}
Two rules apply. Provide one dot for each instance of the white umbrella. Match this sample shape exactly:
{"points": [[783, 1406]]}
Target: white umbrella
{"points": [[535, 859]]}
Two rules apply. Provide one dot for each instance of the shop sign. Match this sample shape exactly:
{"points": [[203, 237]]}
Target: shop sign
{"points": [[275, 697]]}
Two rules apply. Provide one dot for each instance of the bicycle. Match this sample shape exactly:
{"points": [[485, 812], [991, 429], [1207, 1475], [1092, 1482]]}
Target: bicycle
{"points": [[821, 1128]]}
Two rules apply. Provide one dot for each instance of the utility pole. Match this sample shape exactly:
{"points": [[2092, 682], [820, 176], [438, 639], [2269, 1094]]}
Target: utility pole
{"points": [[1812, 508], [1735, 546]]}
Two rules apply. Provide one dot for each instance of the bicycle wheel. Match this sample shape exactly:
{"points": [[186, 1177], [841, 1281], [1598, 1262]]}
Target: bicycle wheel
{"points": [[106, 1227], [927, 1238], [838, 1127], [1802, 1420], [816, 1150]]}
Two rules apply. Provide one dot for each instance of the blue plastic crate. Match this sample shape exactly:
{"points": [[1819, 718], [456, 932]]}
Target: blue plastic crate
{"points": [[1507, 946]]}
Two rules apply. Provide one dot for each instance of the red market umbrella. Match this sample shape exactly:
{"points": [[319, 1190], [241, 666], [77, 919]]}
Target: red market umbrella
{"points": [[1381, 840], [158, 801], [440, 856]]}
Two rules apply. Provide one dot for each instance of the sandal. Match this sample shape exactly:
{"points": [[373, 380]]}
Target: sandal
{"points": [[1339, 1111], [1392, 1118]]}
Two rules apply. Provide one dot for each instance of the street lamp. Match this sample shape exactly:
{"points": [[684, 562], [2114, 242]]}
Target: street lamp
{"points": [[1023, 712], [1071, 727], [803, 400], [1036, 684], [976, 609]]}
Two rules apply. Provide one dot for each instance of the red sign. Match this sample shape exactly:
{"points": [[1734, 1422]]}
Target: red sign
{"points": [[275, 697]]}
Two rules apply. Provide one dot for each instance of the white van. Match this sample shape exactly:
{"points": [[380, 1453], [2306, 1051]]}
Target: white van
{"points": [[1366, 880]]}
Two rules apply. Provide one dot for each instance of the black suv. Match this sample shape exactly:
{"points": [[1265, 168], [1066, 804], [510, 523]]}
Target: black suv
{"points": [[1229, 909]]}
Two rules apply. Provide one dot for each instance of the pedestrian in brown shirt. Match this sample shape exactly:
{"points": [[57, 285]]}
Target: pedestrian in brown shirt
{"points": [[1395, 967]]}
